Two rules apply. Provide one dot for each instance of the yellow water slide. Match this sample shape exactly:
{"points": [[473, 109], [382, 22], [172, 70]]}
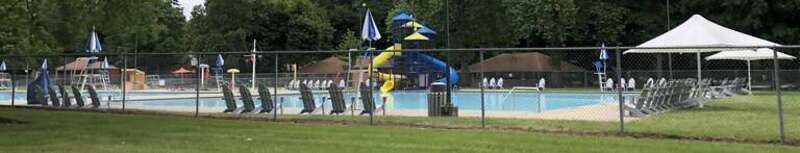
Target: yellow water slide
{"points": [[383, 58]]}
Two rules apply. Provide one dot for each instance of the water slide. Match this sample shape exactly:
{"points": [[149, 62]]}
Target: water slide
{"points": [[382, 59], [439, 64]]}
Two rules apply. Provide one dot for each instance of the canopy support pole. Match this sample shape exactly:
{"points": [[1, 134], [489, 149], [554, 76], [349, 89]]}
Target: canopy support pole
{"points": [[699, 67], [749, 79]]}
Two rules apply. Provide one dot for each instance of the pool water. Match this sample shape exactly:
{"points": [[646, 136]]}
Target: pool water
{"points": [[404, 100]]}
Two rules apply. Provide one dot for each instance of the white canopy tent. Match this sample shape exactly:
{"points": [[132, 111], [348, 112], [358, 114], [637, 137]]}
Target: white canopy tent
{"points": [[702, 33], [750, 55]]}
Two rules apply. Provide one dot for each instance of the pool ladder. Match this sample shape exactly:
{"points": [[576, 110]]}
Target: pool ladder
{"points": [[539, 95]]}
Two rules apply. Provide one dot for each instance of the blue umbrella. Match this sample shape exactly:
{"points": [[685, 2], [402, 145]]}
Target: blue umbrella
{"points": [[44, 79], [3, 66], [93, 45], [369, 31], [603, 52], [105, 64], [402, 17]]}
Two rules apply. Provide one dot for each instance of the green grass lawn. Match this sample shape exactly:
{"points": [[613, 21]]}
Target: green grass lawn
{"points": [[58, 131], [750, 118]]}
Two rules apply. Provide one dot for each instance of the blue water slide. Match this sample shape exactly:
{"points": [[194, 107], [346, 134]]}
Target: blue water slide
{"points": [[438, 64]]}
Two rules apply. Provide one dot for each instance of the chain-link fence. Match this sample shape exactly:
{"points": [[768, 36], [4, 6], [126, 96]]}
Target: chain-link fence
{"points": [[682, 95]]}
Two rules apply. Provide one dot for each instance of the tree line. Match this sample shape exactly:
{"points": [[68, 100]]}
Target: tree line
{"points": [[34, 27]]}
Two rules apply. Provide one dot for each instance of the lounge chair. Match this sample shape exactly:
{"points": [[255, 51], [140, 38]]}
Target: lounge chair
{"points": [[308, 100], [93, 97], [492, 83], [66, 101], [247, 99], [621, 85], [53, 97], [638, 106], [267, 105], [366, 100], [342, 84], [632, 84], [78, 97], [485, 83], [500, 83], [609, 84], [541, 84], [337, 100], [227, 96]]}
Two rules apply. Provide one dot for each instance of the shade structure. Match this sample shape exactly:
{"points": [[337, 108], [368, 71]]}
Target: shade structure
{"points": [[402, 17], [369, 30], [426, 31], [749, 56], [416, 36], [233, 71], [703, 34], [412, 24]]}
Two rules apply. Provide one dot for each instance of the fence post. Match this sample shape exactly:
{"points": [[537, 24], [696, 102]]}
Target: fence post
{"points": [[124, 78], [13, 90], [619, 92], [352, 106], [275, 87], [483, 103], [197, 88], [383, 107], [777, 81]]}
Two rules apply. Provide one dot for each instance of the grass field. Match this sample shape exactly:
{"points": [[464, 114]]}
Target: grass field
{"points": [[58, 131]]}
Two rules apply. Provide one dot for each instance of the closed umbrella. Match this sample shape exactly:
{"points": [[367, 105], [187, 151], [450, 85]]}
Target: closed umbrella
{"points": [[749, 56], [3, 66]]}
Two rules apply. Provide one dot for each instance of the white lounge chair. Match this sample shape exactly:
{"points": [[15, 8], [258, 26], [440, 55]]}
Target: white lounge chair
{"points": [[632, 84], [609, 84], [485, 83], [541, 84], [650, 83], [500, 83], [621, 84], [342, 84], [492, 83]]}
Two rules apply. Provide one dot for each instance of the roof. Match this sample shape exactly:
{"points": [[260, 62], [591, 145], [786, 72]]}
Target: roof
{"points": [[181, 71], [330, 65], [700, 32], [522, 62], [750, 55], [82, 63]]}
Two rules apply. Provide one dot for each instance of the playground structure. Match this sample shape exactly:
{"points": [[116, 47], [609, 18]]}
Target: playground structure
{"points": [[395, 53]]}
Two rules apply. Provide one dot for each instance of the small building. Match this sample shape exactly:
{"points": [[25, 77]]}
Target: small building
{"points": [[524, 69]]}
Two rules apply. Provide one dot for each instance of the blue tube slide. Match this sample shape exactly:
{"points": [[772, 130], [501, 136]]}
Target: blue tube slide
{"points": [[439, 64]]}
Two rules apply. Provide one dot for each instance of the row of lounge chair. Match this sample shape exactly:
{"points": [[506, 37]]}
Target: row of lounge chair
{"points": [[65, 100], [493, 83], [314, 84], [306, 96], [668, 95], [727, 88]]}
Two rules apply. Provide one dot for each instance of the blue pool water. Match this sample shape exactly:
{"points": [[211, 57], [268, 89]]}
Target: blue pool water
{"points": [[407, 100]]}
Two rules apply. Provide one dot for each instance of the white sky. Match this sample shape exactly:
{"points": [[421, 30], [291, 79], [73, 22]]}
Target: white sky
{"points": [[188, 5]]}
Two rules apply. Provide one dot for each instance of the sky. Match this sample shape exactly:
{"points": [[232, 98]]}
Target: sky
{"points": [[188, 5]]}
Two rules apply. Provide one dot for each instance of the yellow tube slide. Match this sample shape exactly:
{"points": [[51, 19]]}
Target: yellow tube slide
{"points": [[382, 59]]}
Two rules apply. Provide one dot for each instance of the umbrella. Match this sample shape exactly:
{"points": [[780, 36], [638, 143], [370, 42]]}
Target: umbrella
{"points": [[44, 79], [105, 64], [233, 76], [3, 66], [93, 43], [369, 31], [750, 55], [603, 52]]}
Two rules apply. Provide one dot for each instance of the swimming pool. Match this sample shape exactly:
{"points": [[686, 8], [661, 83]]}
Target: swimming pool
{"points": [[402, 100]]}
